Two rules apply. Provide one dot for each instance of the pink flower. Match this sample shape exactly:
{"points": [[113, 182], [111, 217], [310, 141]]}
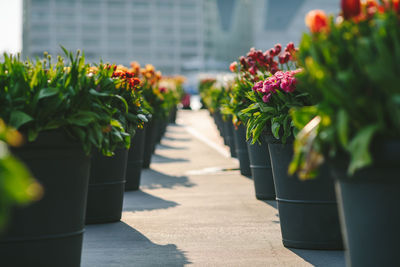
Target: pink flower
{"points": [[266, 98], [285, 85], [279, 75], [271, 84], [258, 86]]}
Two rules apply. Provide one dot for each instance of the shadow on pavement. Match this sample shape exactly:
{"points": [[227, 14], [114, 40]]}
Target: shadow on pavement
{"points": [[118, 244], [152, 179], [163, 147], [140, 201], [322, 258], [272, 203], [162, 159], [179, 139]]}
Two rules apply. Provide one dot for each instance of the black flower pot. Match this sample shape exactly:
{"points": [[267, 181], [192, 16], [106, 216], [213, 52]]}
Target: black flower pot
{"points": [[369, 209], [150, 142], [239, 136], [172, 115], [220, 125], [49, 232], [228, 131], [307, 209], [135, 161], [261, 170], [106, 187], [161, 130]]}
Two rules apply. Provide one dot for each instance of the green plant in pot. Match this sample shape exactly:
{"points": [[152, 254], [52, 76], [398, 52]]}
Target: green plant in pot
{"points": [[238, 101], [307, 210], [108, 174], [253, 67], [129, 87], [154, 97], [175, 93], [205, 85], [273, 91], [64, 117], [351, 67], [220, 95]]}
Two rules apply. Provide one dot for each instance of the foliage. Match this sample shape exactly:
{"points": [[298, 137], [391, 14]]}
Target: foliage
{"points": [[271, 92], [150, 79], [41, 96], [215, 92], [205, 86], [128, 87], [351, 68]]}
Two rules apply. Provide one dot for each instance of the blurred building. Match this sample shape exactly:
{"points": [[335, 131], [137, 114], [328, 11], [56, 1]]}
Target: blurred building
{"points": [[166, 33], [177, 36]]}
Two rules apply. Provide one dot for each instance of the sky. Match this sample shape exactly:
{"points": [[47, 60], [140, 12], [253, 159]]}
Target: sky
{"points": [[10, 26]]}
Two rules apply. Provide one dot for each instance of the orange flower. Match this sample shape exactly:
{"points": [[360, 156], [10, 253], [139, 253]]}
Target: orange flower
{"points": [[233, 66], [317, 21], [135, 68]]}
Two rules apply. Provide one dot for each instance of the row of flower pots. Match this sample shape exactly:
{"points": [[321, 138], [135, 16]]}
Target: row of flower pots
{"points": [[308, 210], [86, 129], [326, 113]]}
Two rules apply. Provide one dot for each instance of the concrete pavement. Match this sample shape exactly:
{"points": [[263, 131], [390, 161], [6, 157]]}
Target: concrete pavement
{"points": [[194, 208]]}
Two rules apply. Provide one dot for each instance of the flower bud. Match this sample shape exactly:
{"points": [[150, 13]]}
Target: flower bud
{"points": [[243, 61], [266, 98], [278, 49]]}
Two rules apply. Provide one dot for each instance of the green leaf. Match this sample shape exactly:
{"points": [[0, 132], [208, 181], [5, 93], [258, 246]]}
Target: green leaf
{"points": [[19, 118], [266, 109], [343, 126], [32, 134], [359, 148], [302, 116], [94, 92], [116, 124], [275, 129], [82, 118], [142, 117], [46, 92]]}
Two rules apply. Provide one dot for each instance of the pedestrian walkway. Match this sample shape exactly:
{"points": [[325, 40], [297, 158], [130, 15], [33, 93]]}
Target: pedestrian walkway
{"points": [[194, 208]]}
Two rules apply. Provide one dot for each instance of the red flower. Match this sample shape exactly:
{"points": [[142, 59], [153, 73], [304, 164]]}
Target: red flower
{"points": [[278, 49], [290, 47], [253, 70], [317, 21], [133, 82], [284, 58], [233, 66], [351, 8], [243, 61], [396, 6], [392, 4]]}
